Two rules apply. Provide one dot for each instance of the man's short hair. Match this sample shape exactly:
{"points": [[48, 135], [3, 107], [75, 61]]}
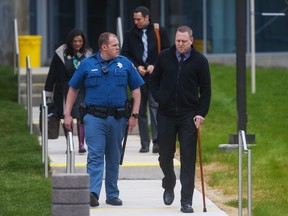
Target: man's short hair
{"points": [[185, 29], [143, 10], [104, 38]]}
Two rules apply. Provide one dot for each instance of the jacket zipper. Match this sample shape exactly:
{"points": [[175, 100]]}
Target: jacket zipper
{"points": [[177, 84]]}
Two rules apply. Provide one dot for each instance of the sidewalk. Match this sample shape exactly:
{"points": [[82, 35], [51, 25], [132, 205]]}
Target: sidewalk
{"points": [[139, 182]]}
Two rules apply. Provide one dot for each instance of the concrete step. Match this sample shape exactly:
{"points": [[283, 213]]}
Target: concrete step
{"points": [[38, 82], [36, 100], [37, 88], [38, 75]]}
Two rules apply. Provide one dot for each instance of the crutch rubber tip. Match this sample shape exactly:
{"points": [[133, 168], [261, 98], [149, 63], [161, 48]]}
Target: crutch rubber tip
{"points": [[204, 210]]}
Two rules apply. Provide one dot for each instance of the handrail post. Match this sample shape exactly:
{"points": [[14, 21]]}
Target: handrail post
{"points": [[249, 183], [42, 125], [239, 174], [29, 94], [68, 156], [44, 138], [16, 57], [70, 159], [242, 142]]}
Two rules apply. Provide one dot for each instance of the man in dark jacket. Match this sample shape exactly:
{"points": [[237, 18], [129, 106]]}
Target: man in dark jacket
{"points": [[181, 85], [134, 47]]}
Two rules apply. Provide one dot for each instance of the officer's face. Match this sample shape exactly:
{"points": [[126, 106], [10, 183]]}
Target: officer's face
{"points": [[183, 41], [140, 21], [112, 48]]}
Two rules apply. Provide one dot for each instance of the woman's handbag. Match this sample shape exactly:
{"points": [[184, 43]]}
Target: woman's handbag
{"points": [[53, 121]]}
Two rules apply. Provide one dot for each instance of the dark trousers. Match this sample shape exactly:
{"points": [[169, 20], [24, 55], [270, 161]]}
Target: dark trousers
{"points": [[169, 129], [146, 96]]}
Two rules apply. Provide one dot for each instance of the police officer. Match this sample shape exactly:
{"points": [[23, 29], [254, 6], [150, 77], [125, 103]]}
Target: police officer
{"points": [[105, 76]]}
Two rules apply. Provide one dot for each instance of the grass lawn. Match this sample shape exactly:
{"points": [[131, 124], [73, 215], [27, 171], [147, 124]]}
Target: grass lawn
{"points": [[268, 120], [25, 191]]}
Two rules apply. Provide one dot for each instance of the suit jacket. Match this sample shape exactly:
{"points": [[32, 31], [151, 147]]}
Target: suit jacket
{"points": [[133, 47]]}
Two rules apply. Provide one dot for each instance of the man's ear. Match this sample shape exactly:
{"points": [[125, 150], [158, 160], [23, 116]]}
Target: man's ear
{"points": [[104, 47], [146, 17]]}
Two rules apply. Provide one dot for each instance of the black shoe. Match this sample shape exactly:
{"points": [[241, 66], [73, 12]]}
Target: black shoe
{"points": [[187, 208], [168, 196], [83, 150], [155, 148], [93, 200], [115, 202], [144, 149]]}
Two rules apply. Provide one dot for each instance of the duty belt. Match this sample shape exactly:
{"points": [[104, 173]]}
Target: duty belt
{"points": [[102, 112]]}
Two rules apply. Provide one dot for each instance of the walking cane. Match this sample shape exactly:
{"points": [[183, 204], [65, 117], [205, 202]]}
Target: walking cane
{"points": [[124, 144], [201, 170], [128, 106]]}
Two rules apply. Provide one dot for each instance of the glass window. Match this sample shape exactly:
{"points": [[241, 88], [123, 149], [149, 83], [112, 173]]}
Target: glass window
{"points": [[220, 26], [61, 21], [271, 32], [101, 16], [221, 21]]}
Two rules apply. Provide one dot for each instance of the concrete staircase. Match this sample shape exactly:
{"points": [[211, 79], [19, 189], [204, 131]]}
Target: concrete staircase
{"points": [[38, 81]]}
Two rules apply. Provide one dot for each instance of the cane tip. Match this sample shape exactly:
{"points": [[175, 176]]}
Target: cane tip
{"points": [[204, 210]]}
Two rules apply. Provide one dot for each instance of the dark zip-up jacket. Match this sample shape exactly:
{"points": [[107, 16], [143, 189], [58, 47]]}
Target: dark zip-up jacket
{"points": [[179, 91], [133, 46]]}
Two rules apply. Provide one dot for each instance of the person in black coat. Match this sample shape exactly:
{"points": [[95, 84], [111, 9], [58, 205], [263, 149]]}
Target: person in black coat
{"points": [[65, 61], [133, 47], [181, 85]]}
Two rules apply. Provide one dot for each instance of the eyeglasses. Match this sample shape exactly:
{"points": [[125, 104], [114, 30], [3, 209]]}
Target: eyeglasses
{"points": [[104, 69]]}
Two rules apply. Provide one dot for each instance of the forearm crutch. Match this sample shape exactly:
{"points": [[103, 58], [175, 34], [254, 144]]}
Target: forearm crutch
{"points": [[201, 170]]}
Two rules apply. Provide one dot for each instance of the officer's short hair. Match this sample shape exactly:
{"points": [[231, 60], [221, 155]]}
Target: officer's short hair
{"points": [[104, 38]]}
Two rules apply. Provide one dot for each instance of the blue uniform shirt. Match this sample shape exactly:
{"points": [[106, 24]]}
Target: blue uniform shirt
{"points": [[106, 88]]}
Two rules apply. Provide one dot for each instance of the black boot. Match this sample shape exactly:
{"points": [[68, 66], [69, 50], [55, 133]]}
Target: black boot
{"points": [[81, 136], [155, 148]]}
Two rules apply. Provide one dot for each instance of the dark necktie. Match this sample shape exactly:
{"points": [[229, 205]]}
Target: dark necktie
{"points": [[182, 56]]}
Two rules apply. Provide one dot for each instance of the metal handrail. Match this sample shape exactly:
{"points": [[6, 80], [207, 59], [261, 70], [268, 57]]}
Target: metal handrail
{"points": [[243, 147], [70, 159], [44, 126], [29, 94], [16, 57]]}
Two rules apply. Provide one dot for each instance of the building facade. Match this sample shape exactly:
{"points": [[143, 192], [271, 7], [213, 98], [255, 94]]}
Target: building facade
{"points": [[213, 21]]}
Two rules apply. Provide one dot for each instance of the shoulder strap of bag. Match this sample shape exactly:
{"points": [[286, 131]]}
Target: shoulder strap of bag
{"points": [[157, 31]]}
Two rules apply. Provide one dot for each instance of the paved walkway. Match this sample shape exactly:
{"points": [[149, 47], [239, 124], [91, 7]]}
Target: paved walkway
{"points": [[139, 183]]}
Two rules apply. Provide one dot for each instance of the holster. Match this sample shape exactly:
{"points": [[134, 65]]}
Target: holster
{"points": [[82, 112], [128, 107]]}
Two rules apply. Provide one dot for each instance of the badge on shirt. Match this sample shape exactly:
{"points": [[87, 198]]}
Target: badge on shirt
{"points": [[119, 65]]}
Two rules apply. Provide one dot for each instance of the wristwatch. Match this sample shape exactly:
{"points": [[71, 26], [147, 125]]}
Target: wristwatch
{"points": [[135, 115]]}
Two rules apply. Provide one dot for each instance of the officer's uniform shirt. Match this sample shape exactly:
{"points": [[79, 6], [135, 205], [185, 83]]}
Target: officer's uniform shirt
{"points": [[106, 89]]}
